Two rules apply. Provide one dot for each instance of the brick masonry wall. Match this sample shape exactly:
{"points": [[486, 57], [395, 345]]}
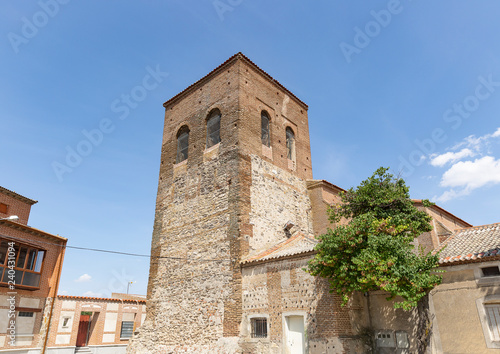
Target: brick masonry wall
{"points": [[15, 206]]}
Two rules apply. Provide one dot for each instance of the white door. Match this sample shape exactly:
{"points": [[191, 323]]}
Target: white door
{"points": [[295, 334]]}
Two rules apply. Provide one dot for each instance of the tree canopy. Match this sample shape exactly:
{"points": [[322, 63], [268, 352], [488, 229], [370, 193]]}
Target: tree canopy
{"points": [[375, 250]]}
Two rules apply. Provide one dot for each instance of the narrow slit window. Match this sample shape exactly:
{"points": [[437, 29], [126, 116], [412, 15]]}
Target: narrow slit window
{"points": [[290, 144], [213, 128], [182, 144], [264, 123]]}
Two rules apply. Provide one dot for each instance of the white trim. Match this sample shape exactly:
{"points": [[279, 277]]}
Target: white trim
{"points": [[483, 318]]}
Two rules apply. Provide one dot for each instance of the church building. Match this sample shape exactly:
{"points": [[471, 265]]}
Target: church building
{"points": [[237, 215]]}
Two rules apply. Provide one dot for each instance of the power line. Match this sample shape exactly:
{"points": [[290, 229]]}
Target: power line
{"points": [[127, 253]]}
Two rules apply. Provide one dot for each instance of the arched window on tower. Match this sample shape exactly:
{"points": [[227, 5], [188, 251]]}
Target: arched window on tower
{"points": [[182, 144], [213, 128], [264, 124], [290, 144]]}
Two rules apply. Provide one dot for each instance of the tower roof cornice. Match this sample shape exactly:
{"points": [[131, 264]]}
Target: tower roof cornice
{"points": [[222, 67]]}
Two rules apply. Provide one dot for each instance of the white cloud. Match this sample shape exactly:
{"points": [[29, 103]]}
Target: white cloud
{"points": [[451, 194], [64, 292], [465, 176], [496, 134], [83, 278], [443, 159], [92, 294]]}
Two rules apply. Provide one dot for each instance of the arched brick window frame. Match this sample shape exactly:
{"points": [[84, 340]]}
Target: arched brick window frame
{"points": [[182, 144], [290, 143], [265, 129], [213, 127]]}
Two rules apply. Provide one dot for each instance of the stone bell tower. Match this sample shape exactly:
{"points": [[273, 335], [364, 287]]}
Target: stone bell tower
{"points": [[232, 142]]}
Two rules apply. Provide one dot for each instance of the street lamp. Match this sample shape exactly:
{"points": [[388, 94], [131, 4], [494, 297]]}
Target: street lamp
{"points": [[11, 218], [128, 284]]}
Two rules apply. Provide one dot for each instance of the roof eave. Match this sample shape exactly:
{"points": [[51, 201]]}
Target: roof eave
{"points": [[223, 66]]}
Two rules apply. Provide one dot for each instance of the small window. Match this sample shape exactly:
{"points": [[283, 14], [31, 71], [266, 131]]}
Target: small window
{"points": [[4, 208], [127, 329], [182, 144], [213, 128], [490, 271], [264, 124], [259, 327], [65, 322], [290, 144], [25, 314]]}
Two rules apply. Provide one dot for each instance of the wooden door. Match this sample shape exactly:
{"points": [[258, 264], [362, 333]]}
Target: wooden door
{"points": [[83, 330]]}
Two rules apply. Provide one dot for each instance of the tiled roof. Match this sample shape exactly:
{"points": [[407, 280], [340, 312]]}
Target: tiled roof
{"points": [[471, 244], [237, 56], [30, 229], [17, 196], [295, 245], [71, 297], [441, 210]]}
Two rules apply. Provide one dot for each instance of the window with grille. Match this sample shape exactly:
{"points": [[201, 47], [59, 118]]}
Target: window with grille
{"points": [[127, 329], [264, 124], [27, 262], [259, 328], [25, 314], [182, 144], [290, 144], [213, 128]]}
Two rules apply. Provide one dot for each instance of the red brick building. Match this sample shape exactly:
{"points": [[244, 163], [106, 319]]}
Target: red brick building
{"points": [[30, 268]]}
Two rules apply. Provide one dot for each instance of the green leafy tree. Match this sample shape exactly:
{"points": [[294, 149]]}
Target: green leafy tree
{"points": [[375, 250]]}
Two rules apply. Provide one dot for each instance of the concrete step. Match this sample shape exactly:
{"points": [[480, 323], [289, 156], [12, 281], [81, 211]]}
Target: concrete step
{"points": [[83, 350]]}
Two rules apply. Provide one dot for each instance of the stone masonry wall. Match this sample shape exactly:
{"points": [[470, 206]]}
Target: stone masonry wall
{"points": [[195, 305], [277, 197]]}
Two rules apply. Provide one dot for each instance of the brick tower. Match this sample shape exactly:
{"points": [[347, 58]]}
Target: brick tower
{"points": [[234, 163]]}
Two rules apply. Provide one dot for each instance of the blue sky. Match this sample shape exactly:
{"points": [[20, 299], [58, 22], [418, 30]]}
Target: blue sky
{"points": [[410, 85]]}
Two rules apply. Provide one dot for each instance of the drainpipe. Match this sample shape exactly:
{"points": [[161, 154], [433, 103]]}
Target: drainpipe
{"points": [[59, 261]]}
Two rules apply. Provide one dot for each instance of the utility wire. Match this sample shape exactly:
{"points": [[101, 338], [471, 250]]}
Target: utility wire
{"points": [[127, 253]]}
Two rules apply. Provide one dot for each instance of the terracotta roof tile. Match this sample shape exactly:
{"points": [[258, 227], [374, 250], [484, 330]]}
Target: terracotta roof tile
{"points": [[471, 244], [297, 244], [72, 297]]}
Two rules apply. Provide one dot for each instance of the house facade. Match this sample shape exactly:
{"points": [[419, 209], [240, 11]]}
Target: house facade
{"points": [[30, 267], [95, 325], [466, 305]]}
